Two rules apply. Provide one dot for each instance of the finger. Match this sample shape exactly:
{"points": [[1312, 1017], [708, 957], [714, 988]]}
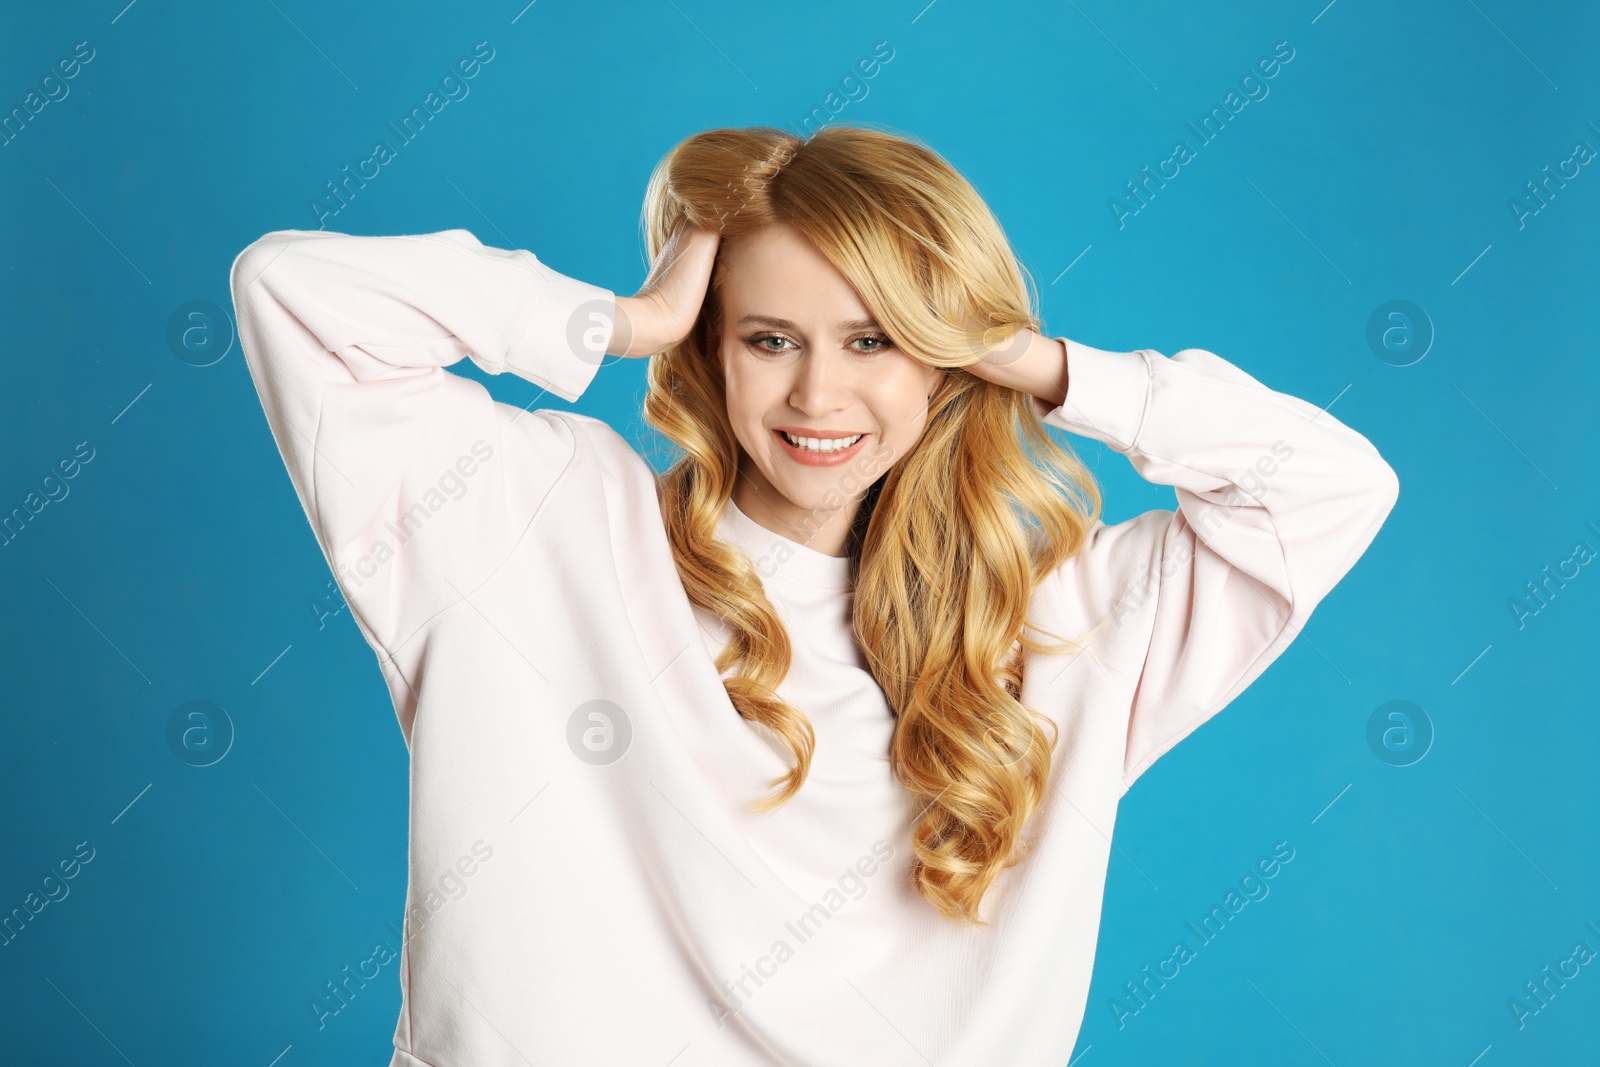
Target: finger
{"points": [[688, 246]]}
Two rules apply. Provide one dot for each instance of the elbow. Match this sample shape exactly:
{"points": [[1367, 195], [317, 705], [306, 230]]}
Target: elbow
{"points": [[1385, 488], [255, 258], [1372, 481], [1372, 504]]}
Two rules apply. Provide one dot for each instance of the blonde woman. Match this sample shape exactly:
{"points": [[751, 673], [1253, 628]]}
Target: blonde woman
{"points": [[766, 758]]}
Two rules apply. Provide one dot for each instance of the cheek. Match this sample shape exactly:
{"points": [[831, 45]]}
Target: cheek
{"points": [[903, 409], [749, 396]]}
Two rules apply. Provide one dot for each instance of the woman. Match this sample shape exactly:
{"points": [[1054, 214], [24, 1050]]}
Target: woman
{"points": [[755, 761]]}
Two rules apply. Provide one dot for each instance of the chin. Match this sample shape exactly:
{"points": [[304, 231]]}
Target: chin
{"points": [[793, 496], [826, 499]]}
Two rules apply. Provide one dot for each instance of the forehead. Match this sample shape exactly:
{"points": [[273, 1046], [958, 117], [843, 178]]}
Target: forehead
{"points": [[776, 271]]}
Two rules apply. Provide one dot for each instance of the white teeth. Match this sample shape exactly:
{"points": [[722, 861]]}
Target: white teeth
{"points": [[813, 444]]}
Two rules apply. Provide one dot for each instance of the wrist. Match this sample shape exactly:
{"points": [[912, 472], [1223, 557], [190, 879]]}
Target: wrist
{"points": [[636, 331], [1029, 362], [643, 326]]}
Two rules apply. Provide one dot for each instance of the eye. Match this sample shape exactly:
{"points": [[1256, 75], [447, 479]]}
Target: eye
{"points": [[756, 343], [883, 343]]}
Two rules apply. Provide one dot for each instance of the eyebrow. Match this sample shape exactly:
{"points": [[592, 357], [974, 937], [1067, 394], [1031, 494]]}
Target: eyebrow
{"points": [[785, 324]]}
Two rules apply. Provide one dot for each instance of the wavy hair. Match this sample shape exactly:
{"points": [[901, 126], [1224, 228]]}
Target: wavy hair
{"points": [[944, 556]]}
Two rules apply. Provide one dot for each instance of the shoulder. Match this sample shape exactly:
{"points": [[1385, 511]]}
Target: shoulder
{"points": [[602, 447]]}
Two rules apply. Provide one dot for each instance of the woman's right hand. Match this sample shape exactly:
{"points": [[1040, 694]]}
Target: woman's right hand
{"points": [[665, 308]]}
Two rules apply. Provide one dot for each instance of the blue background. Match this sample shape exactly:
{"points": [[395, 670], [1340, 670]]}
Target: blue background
{"points": [[1380, 166]]}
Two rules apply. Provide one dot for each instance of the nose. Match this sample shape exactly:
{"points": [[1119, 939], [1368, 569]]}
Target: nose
{"points": [[820, 385]]}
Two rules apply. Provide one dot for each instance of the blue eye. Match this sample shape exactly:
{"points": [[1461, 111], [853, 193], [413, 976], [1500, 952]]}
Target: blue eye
{"points": [[756, 342], [880, 344]]}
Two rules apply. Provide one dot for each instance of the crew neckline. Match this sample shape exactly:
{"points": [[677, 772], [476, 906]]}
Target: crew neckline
{"points": [[780, 556]]}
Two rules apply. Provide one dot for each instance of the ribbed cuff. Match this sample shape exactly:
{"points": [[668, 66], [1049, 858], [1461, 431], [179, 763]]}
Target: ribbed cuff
{"points": [[569, 328], [1106, 395]]}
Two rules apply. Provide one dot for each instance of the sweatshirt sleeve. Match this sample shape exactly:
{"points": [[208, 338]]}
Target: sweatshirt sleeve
{"points": [[416, 482], [1276, 501]]}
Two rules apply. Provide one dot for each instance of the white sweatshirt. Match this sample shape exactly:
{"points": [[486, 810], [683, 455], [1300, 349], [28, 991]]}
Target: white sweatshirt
{"points": [[587, 884]]}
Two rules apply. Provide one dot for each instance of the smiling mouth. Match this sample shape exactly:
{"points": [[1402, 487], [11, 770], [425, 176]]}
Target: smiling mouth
{"points": [[821, 446]]}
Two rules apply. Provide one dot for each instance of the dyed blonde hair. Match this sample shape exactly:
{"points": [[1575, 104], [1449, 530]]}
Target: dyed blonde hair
{"points": [[944, 561]]}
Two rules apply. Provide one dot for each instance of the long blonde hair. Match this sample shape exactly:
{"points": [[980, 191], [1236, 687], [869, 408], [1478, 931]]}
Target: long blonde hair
{"points": [[943, 559]]}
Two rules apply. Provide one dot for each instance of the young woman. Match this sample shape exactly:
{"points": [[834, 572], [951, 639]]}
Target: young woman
{"points": [[757, 760]]}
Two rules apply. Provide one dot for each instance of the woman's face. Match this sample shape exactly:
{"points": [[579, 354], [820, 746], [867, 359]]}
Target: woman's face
{"points": [[800, 353]]}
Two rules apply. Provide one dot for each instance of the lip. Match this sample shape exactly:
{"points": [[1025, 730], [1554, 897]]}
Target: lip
{"points": [[819, 459]]}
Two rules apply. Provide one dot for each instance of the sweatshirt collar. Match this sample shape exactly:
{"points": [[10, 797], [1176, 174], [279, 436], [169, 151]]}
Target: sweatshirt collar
{"points": [[775, 555]]}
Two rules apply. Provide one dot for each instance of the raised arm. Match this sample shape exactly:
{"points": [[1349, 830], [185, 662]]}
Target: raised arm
{"points": [[416, 482], [1276, 501]]}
